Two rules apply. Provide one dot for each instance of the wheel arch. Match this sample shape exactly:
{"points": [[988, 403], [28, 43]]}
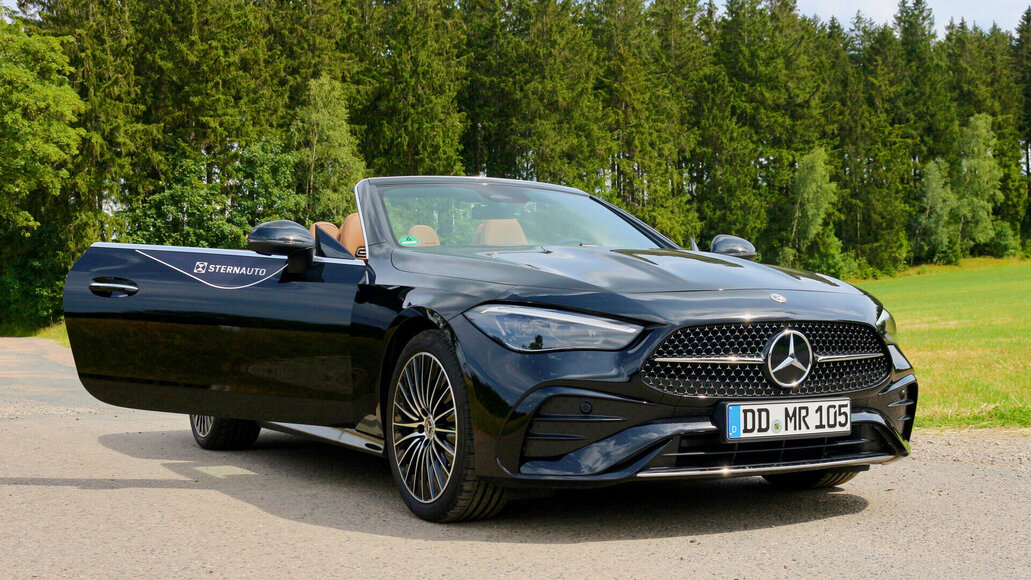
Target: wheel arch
{"points": [[409, 323]]}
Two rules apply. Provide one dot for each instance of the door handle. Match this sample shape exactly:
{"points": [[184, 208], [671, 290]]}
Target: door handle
{"points": [[113, 287]]}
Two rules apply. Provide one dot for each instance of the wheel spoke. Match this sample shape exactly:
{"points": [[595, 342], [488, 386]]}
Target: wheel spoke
{"points": [[404, 464], [408, 399], [444, 464], [407, 437], [409, 389], [446, 446], [443, 396]]}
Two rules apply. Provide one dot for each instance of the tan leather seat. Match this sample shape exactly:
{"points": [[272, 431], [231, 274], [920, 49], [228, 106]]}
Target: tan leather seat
{"points": [[329, 228], [501, 232], [352, 237], [426, 235]]}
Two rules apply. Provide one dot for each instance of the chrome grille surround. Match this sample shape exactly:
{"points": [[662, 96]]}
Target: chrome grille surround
{"points": [[725, 360]]}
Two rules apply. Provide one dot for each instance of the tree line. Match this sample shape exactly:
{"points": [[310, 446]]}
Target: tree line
{"points": [[850, 148]]}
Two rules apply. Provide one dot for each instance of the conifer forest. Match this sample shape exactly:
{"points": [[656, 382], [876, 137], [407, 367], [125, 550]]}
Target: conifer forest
{"points": [[851, 148]]}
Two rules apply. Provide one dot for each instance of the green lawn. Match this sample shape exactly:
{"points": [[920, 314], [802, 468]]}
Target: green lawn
{"points": [[967, 331]]}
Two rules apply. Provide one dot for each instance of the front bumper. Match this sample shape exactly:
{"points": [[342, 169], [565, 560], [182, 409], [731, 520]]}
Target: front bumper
{"points": [[552, 420]]}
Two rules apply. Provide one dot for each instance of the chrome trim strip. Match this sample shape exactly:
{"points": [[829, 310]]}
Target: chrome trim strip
{"points": [[344, 261], [750, 360], [153, 248], [112, 287], [842, 357], [727, 360], [344, 437], [762, 470]]}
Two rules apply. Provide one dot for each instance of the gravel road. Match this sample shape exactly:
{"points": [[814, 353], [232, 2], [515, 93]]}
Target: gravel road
{"points": [[90, 490]]}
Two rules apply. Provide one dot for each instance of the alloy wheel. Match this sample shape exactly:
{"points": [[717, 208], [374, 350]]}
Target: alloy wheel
{"points": [[424, 427]]}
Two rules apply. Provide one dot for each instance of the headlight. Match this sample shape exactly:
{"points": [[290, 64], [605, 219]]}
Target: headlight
{"points": [[886, 324], [534, 329]]}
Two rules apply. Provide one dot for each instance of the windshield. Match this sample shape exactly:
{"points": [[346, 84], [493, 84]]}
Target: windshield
{"points": [[503, 215]]}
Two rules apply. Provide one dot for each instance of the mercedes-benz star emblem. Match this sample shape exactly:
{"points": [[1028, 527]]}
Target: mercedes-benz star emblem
{"points": [[789, 358], [778, 298]]}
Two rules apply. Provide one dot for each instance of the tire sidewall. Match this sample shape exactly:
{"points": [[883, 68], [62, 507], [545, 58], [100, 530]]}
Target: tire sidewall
{"points": [[433, 342], [203, 440]]}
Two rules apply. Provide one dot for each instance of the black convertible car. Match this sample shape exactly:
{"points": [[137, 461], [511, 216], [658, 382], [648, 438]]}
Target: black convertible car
{"points": [[489, 334]]}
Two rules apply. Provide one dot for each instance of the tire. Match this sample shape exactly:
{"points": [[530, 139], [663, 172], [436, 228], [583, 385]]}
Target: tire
{"points": [[810, 479], [216, 433], [430, 445]]}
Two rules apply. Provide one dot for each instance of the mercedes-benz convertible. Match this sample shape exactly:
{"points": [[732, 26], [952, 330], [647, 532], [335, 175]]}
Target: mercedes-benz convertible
{"points": [[487, 334]]}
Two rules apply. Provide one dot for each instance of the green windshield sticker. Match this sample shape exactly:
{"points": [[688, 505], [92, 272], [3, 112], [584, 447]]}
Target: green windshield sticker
{"points": [[409, 241]]}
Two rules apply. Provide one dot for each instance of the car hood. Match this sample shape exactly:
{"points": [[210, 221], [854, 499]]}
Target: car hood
{"points": [[610, 270]]}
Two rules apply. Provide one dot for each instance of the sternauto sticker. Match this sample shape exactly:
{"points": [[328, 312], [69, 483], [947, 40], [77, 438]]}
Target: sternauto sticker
{"points": [[223, 272], [206, 268]]}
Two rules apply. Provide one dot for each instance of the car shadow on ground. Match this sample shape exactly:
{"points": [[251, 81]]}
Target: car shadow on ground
{"points": [[320, 484]]}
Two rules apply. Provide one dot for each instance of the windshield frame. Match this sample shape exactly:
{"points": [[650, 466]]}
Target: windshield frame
{"points": [[379, 231]]}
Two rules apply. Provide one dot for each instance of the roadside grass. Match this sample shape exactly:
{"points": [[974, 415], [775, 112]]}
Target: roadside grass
{"points": [[55, 332], [967, 331]]}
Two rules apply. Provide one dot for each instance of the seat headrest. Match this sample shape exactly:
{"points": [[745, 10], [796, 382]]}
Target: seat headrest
{"points": [[501, 232], [352, 237], [426, 235], [327, 227]]}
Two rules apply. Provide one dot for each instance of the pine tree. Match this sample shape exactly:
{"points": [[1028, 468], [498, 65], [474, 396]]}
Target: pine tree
{"points": [[925, 112], [641, 114], [413, 122], [559, 133], [872, 215], [679, 63], [488, 98]]}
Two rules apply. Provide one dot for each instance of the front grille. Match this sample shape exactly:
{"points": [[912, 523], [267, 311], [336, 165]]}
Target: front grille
{"points": [[747, 340]]}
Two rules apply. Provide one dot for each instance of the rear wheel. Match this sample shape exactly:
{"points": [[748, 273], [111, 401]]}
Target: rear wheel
{"points": [[810, 479], [216, 433], [429, 435]]}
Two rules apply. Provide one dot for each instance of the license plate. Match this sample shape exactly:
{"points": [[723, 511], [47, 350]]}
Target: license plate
{"points": [[773, 420]]}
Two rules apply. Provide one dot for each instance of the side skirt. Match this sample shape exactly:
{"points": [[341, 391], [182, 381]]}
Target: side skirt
{"points": [[337, 436]]}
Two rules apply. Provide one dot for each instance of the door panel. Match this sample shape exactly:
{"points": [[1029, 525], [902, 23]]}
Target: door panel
{"points": [[216, 332]]}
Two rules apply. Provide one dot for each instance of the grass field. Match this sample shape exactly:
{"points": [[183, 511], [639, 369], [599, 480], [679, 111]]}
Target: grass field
{"points": [[967, 331]]}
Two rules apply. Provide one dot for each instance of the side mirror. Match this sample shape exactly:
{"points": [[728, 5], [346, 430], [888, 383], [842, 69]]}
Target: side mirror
{"points": [[733, 246], [284, 237]]}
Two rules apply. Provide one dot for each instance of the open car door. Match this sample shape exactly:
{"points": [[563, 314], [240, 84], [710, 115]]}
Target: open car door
{"points": [[228, 333]]}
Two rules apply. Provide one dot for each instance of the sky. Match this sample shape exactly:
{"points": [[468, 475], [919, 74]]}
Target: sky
{"points": [[1005, 13]]}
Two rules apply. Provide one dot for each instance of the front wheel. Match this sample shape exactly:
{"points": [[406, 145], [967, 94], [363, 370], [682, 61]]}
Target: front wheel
{"points": [[216, 433], [810, 479], [429, 435]]}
